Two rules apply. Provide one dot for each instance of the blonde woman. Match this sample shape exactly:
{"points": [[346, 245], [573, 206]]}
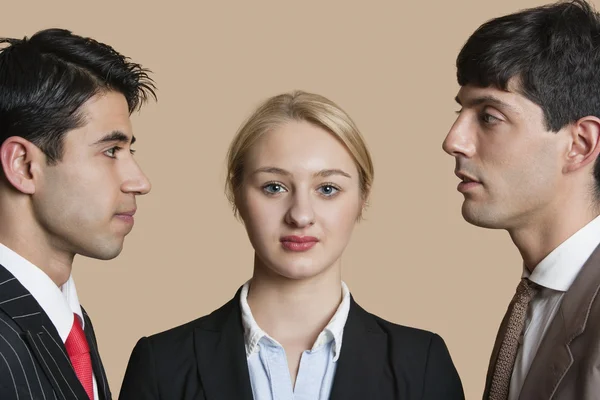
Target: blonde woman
{"points": [[299, 177]]}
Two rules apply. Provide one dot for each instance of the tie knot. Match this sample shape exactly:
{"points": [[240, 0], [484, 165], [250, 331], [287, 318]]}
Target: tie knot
{"points": [[526, 290], [76, 342]]}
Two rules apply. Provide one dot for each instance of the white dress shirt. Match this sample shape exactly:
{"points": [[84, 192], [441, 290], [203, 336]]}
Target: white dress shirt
{"points": [[554, 274], [267, 364], [58, 303]]}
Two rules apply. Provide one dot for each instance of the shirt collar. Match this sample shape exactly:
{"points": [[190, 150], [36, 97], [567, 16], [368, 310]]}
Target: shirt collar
{"points": [[333, 331], [59, 304], [558, 270]]}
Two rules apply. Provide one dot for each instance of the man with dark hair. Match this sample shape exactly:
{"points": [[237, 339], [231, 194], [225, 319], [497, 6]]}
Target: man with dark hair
{"points": [[69, 186], [526, 145]]}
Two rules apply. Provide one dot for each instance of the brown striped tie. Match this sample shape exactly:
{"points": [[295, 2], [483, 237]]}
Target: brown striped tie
{"points": [[510, 344]]}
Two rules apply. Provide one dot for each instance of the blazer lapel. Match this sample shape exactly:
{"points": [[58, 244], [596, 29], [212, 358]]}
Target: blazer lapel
{"points": [[41, 336], [221, 355], [362, 358], [101, 380], [554, 357]]}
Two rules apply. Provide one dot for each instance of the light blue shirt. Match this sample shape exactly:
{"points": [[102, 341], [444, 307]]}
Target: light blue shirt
{"points": [[267, 362]]}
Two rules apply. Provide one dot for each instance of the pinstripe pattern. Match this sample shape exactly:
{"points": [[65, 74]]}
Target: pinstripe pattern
{"points": [[50, 373], [58, 368], [28, 353], [63, 350], [25, 316], [15, 298], [12, 376], [20, 363], [33, 361], [8, 280]]}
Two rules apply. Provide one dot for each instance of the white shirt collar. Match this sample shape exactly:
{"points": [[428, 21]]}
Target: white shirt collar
{"points": [[560, 268], [58, 303], [333, 331]]}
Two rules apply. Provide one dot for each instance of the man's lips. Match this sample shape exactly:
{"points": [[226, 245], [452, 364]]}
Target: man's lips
{"points": [[126, 216], [129, 213], [467, 182], [465, 177]]}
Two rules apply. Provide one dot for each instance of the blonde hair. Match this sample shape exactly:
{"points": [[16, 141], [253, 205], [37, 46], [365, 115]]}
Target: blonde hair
{"points": [[297, 106]]}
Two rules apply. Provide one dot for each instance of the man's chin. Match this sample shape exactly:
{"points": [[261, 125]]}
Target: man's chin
{"points": [[105, 253], [479, 217]]}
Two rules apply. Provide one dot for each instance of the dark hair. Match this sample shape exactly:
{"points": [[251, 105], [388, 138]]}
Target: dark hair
{"points": [[44, 80], [552, 51]]}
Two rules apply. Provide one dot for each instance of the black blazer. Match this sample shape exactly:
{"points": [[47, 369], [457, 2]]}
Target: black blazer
{"points": [[34, 364], [205, 359]]}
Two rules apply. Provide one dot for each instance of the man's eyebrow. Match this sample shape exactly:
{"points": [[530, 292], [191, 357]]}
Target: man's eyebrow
{"points": [[115, 136], [487, 99]]}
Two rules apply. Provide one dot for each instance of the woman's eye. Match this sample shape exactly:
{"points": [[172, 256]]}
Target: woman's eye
{"points": [[328, 190], [273, 188]]}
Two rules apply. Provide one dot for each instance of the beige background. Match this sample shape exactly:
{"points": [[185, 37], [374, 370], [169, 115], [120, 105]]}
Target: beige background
{"points": [[390, 64]]}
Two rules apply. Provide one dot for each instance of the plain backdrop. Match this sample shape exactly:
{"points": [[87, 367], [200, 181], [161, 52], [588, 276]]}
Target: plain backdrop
{"points": [[389, 64]]}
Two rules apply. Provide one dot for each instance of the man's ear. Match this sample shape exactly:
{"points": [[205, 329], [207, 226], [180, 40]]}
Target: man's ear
{"points": [[17, 156], [584, 145]]}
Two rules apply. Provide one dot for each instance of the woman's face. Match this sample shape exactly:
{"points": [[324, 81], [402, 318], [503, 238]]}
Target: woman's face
{"points": [[299, 200]]}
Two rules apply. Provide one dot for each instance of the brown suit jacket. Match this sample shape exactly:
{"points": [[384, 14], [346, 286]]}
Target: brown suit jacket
{"points": [[567, 363]]}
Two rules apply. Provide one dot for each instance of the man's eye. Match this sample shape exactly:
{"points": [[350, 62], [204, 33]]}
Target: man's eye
{"points": [[489, 119], [112, 152]]}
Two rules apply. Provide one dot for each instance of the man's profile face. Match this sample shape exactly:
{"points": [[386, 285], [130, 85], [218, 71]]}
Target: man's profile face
{"points": [[84, 204], [509, 162]]}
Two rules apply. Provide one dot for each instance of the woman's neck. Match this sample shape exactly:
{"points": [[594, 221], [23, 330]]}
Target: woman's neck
{"points": [[294, 311]]}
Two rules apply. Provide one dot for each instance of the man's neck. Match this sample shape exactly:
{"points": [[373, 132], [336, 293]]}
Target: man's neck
{"points": [[21, 232], [56, 264], [538, 238]]}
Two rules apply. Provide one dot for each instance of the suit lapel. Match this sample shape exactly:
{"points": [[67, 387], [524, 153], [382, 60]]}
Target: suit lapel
{"points": [[363, 356], [221, 355], [223, 367], [554, 357], [97, 367], [41, 336]]}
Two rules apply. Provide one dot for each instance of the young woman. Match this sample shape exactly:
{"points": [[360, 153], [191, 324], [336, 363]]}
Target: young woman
{"points": [[299, 177]]}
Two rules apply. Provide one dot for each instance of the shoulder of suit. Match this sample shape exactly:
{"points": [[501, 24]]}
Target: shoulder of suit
{"points": [[401, 333], [211, 321]]}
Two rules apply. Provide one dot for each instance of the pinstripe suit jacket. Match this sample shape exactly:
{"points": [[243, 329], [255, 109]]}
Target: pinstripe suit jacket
{"points": [[33, 360]]}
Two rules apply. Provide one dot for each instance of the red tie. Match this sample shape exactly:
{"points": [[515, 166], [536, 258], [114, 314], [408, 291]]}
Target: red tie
{"points": [[79, 353]]}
